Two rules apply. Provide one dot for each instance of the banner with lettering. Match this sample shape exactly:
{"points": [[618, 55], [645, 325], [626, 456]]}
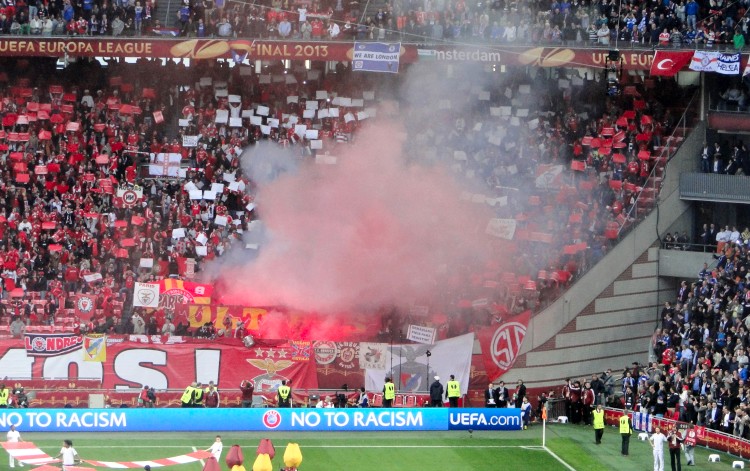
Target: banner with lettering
{"points": [[376, 57], [711, 61], [338, 364], [45, 345], [501, 344], [635, 59], [222, 317], [413, 370], [159, 365], [175, 292]]}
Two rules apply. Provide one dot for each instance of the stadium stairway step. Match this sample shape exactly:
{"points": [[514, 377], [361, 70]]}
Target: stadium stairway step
{"points": [[166, 11]]}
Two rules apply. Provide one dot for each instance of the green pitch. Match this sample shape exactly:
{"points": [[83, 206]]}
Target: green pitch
{"points": [[569, 447]]}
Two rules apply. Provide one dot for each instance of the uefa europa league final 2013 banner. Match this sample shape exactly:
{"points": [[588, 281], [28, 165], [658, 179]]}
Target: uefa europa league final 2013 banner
{"points": [[259, 420]]}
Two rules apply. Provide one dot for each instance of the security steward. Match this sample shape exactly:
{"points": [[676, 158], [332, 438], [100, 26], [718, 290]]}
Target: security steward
{"points": [[453, 391], [598, 415], [285, 395], [626, 429], [188, 396], [4, 396], [197, 395], [389, 393]]}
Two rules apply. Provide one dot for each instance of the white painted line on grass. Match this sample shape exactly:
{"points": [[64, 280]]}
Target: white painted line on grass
{"points": [[559, 459], [203, 463], [530, 447]]}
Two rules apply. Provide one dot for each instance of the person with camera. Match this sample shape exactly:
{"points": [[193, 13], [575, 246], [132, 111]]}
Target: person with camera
{"points": [[674, 441]]}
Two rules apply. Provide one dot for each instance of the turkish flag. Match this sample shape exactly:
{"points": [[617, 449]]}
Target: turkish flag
{"points": [[501, 344], [668, 63]]}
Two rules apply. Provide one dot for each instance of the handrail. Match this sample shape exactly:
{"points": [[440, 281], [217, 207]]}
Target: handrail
{"points": [[632, 213]]}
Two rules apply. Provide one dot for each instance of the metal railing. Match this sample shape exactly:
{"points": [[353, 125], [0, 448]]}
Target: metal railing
{"points": [[653, 182]]}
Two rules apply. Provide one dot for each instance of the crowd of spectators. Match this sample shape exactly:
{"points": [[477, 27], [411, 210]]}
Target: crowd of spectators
{"points": [[714, 23], [72, 138], [698, 366]]}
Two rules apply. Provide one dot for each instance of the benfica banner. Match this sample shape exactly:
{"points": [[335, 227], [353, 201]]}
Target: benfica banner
{"points": [[175, 292], [130, 364], [43, 345], [412, 370], [85, 306], [500, 345]]}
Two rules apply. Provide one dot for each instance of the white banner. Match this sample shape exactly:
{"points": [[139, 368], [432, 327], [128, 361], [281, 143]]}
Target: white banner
{"points": [[408, 365], [501, 228], [146, 295], [189, 141], [372, 355], [709, 61], [165, 165], [421, 334]]}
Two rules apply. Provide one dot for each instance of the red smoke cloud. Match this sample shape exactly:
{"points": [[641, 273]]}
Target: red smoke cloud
{"points": [[368, 231]]}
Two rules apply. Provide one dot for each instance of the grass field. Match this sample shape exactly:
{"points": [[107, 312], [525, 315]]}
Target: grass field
{"points": [[568, 447]]}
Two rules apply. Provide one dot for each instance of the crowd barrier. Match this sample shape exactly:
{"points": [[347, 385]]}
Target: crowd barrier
{"points": [[705, 437]]}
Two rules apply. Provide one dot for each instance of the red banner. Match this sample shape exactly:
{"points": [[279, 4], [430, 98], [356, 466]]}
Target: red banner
{"points": [[501, 344], [668, 63], [163, 366], [85, 306], [338, 364]]}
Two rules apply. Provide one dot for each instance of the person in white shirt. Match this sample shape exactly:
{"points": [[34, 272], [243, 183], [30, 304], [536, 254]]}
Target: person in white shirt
{"points": [[723, 235], [734, 235], [14, 436], [68, 454], [87, 100], [657, 443], [216, 447]]}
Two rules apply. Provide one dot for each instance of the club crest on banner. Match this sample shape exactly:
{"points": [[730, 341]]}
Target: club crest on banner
{"points": [[506, 343], [348, 355], [95, 347], [271, 380], [325, 352], [146, 295], [501, 345], [372, 355]]}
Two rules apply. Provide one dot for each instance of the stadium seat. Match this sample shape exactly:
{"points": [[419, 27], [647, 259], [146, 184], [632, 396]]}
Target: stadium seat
{"points": [[643, 436], [398, 401], [714, 458], [377, 400], [738, 464], [411, 401]]}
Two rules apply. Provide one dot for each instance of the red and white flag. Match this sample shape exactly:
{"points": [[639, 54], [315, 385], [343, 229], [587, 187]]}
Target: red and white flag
{"points": [[501, 344], [668, 63]]}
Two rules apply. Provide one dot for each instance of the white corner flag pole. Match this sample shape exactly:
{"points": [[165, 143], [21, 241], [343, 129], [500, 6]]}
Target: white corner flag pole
{"points": [[544, 425]]}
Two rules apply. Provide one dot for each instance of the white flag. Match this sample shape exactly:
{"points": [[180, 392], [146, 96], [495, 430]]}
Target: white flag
{"points": [[146, 295]]}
